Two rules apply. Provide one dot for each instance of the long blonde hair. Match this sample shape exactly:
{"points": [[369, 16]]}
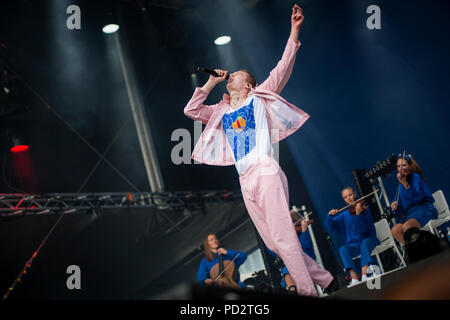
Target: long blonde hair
{"points": [[209, 254]]}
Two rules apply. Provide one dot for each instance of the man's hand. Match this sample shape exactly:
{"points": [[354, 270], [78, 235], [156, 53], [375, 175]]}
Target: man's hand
{"points": [[209, 281], [296, 22], [296, 17], [213, 81]]}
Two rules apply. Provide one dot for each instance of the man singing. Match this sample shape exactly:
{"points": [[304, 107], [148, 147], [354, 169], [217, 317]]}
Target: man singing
{"points": [[240, 130]]}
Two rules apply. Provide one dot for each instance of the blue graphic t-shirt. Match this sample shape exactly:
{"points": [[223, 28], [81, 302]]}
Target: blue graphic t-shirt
{"points": [[247, 133]]}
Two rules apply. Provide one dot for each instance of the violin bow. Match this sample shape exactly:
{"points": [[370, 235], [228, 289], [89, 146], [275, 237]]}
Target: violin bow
{"points": [[398, 190], [226, 267], [304, 217], [351, 204]]}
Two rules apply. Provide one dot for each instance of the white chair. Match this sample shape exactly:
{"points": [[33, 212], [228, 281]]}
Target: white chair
{"points": [[443, 213], [387, 241]]}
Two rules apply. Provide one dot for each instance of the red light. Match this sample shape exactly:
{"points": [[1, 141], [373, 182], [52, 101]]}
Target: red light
{"points": [[19, 148]]}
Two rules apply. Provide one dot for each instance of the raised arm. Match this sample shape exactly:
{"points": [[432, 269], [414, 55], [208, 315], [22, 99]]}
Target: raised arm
{"points": [[280, 75], [296, 22], [195, 109]]}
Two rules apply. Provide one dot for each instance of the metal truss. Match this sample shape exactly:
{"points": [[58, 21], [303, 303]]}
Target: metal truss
{"points": [[19, 204]]}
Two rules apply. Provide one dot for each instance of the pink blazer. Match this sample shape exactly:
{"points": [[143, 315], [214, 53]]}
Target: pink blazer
{"points": [[283, 117]]}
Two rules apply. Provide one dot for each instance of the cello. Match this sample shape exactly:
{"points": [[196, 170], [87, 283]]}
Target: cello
{"points": [[225, 274]]}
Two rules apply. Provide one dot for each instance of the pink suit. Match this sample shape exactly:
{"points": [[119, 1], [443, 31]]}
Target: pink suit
{"points": [[264, 185]]}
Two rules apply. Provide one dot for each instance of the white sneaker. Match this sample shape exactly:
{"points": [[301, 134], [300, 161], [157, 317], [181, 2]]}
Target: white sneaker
{"points": [[353, 283], [364, 277]]}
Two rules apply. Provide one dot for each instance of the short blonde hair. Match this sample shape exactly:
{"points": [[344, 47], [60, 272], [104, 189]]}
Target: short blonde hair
{"points": [[347, 188], [250, 78]]}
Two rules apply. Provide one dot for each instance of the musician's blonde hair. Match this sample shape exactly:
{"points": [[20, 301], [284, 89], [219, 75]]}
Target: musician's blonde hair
{"points": [[348, 188], [207, 249]]}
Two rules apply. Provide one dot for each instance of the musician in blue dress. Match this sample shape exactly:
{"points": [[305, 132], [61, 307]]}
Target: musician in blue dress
{"points": [[213, 251], [413, 206], [355, 225]]}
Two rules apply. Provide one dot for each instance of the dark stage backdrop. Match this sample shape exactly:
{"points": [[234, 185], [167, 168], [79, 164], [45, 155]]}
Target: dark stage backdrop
{"points": [[370, 93], [122, 254]]}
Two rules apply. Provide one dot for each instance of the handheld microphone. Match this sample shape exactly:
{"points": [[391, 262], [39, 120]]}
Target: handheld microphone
{"points": [[211, 72]]}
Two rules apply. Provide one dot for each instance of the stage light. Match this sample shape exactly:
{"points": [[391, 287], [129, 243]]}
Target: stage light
{"points": [[110, 28], [220, 41], [18, 146], [110, 20]]}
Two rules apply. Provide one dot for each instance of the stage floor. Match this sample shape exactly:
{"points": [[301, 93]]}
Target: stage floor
{"points": [[425, 279]]}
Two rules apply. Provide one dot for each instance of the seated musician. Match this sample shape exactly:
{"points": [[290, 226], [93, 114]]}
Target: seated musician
{"points": [[324, 278], [415, 201], [301, 227], [213, 252], [355, 225]]}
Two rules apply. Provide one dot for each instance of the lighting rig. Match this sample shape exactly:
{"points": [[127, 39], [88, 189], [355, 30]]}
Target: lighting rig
{"points": [[19, 204], [382, 168], [368, 180]]}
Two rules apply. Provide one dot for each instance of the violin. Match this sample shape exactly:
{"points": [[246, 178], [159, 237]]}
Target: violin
{"points": [[225, 273], [297, 223], [353, 204], [298, 226], [352, 208]]}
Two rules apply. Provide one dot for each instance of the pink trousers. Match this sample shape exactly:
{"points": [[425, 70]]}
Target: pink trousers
{"points": [[266, 196]]}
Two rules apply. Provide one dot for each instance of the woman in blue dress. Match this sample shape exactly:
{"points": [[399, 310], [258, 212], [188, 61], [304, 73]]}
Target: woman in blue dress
{"points": [[213, 250], [414, 207], [355, 225]]}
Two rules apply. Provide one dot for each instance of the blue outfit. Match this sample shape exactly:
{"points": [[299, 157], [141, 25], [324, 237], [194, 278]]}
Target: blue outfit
{"points": [[242, 137], [416, 202], [307, 246], [205, 266], [359, 235]]}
